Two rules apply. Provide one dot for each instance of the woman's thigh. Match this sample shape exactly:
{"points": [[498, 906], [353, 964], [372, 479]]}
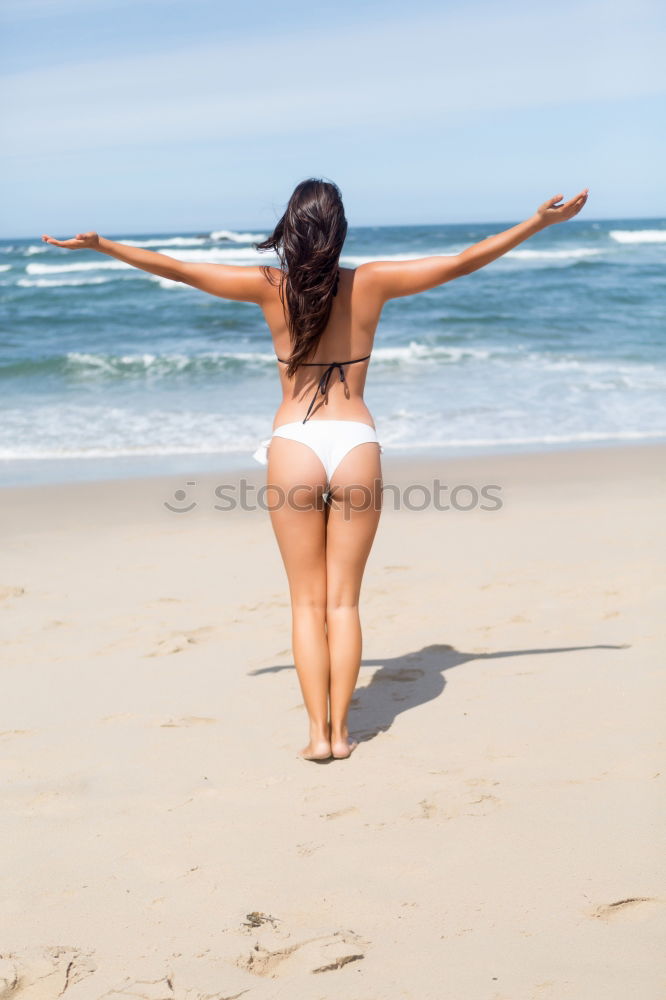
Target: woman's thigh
{"points": [[296, 483], [354, 511]]}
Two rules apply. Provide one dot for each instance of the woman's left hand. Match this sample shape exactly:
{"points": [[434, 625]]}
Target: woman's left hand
{"points": [[82, 241], [549, 213]]}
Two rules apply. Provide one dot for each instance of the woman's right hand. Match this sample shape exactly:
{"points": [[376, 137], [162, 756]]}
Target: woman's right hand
{"points": [[82, 241], [550, 213]]}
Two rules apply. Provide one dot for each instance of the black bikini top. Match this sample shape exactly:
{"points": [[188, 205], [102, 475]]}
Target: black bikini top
{"points": [[322, 387]]}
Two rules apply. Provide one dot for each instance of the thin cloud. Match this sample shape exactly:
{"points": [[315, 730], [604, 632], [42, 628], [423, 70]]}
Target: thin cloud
{"points": [[431, 68]]}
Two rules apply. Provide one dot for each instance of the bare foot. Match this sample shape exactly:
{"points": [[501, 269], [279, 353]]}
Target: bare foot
{"points": [[341, 748], [316, 750]]}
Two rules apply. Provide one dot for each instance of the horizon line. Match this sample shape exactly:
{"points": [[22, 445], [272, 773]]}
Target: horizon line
{"points": [[385, 225]]}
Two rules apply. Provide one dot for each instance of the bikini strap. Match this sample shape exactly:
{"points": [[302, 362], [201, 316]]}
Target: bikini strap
{"points": [[318, 364], [322, 386]]}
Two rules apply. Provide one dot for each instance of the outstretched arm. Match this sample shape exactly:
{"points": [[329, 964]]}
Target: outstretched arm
{"points": [[495, 246], [393, 279], [244, 284]]}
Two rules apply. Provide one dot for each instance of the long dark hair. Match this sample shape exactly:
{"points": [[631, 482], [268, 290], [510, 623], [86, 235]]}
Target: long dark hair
{"points": [[308, 240]]}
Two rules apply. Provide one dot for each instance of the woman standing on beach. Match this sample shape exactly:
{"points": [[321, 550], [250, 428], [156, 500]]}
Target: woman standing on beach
{"points": [[323, 461]]}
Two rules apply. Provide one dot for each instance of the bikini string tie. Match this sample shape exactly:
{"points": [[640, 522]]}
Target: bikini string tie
{"points": [[322, 387]]}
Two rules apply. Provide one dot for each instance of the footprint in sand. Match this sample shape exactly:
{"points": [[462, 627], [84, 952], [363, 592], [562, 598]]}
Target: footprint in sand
{"points": [[156, 602], [483, 805], [428, 809], [171, 722], [323, 953], [121, 717], [9, 591], [631, 906], [50, 971], [484, 802], [176, 642], [305, 850], [143, 989], [455, 801], [339, 812]]}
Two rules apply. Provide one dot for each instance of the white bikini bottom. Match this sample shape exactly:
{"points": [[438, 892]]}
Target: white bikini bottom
{"points": [[330, 440]]}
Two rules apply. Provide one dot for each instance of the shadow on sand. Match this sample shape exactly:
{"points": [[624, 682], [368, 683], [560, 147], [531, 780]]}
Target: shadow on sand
{"points": [[403, 682]]}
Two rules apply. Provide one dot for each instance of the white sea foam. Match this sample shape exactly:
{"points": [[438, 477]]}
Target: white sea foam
{"points": [[245, 255], [223, 255], [413, 354], [70, 430], [510, 358], [59, 283], [424, 352], [229, 234], [5, 267], [167, 241], [84, 265], [199, 434], [238, 256], [571, 253], [638, 235], [108, 363], [35, 452], [567, 363], [357, 259], [167, 282], [576, 437], [87, 363], [192, 448]]}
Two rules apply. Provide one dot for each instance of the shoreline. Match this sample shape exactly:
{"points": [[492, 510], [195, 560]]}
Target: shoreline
{"points": [[34, 473], [412, 485]]}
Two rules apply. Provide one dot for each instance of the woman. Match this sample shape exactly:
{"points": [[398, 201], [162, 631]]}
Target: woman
{"points": [[324, 473]]}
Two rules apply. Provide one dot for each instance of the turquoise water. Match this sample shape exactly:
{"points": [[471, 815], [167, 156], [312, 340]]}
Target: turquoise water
{"points": [[106, 370]]}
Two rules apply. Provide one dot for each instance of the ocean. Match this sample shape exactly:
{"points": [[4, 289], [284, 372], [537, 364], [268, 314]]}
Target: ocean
{"points": [[109, 371]]}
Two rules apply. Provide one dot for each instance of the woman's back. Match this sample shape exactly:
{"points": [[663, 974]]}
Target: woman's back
{"points": [[349, 335]]}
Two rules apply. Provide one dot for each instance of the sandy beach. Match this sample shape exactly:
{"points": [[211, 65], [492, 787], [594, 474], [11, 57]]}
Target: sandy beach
{"points": [[496, 834]]}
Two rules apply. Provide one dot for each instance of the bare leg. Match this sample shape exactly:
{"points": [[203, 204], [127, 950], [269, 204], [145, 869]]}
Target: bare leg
{"points": [[300, 529], [351, 526]]}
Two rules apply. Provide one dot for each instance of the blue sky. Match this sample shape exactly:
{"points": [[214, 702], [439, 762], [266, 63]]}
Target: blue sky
{"points": [[132, 116]]}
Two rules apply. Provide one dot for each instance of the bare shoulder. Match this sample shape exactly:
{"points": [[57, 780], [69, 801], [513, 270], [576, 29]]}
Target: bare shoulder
{"points": [[270, 276], [390, 279], [274, 272]]}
